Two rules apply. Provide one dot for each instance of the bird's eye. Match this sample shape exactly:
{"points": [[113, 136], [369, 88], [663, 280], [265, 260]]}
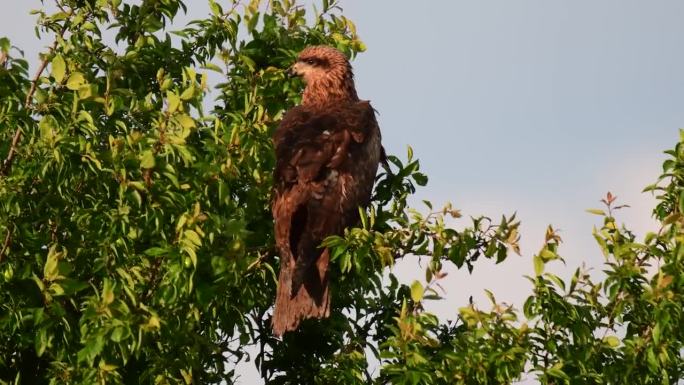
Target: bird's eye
{"points": [[310, 61]]}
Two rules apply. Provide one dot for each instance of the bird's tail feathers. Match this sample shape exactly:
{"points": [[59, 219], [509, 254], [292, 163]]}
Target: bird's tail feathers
{"points": [[311, 299]]}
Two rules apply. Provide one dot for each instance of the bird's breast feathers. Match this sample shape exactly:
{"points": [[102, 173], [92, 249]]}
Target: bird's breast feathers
{"points": [[338, 148]]}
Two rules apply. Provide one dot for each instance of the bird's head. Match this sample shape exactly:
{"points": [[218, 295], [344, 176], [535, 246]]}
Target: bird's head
{"points": [[320, 63], [327, 74]]}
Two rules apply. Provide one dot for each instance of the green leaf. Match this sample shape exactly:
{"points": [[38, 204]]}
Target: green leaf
{"points": [[212, 67], [420, 178], [173, 101], [138, 200], [547, 255], [190, 251], [252, 22], [72, 286], [76, 80], [140, 186], [596, 212], [147, 159], [40, 341], [611, 341], [48, 127], [107, 292], [215, 8], [58, 68], [363, 217], [248, 61], [50, 269], [117, 334], [558, 373], [538, 265], [188, 93], [417, 291], [656, 333], [469, 315], [93, 347], [86, 91], [5, 44], [156, 251], [193, 237], [186, 121]]}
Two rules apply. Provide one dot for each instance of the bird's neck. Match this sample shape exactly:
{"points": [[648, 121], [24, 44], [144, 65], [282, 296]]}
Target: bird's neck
{"points": [[329, 91]]}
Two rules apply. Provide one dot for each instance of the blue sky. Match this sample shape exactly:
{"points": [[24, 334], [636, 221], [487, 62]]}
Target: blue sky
{"points": [[534, 106]]}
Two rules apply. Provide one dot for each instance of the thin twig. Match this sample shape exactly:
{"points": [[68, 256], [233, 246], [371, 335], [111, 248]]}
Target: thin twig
{"points": [[34, 82], [232, 9], [13, 150], [6, 244], [17, 134]]}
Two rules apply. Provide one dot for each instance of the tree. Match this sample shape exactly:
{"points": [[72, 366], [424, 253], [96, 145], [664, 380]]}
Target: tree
{"points": [[136, 238]]}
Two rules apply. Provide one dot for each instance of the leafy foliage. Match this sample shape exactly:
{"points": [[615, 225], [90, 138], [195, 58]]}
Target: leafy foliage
{"points": [[137, 240]]}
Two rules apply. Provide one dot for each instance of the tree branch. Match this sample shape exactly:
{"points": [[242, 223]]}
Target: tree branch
{"points": [[7, 164]]}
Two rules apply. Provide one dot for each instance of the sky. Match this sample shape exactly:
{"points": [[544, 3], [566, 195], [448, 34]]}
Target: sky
{"points": [[538, 107]]}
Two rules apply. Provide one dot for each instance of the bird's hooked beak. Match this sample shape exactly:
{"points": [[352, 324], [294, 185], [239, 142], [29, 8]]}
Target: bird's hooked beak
{"points": [[293, 71]]}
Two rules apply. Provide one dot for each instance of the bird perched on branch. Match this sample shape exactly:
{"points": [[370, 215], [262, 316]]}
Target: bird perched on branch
{"points": [[327, 154]]}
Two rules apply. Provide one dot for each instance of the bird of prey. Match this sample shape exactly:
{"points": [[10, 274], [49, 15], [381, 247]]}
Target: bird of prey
{"points": [[327, 154]]}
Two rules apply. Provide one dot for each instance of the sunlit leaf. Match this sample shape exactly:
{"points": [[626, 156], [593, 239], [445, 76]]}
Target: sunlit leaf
{"points": [[76, 80], [58, 68], [417, 291]]}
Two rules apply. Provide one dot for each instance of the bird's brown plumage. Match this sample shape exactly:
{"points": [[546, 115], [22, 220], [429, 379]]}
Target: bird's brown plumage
{"points": [[327, 154]]}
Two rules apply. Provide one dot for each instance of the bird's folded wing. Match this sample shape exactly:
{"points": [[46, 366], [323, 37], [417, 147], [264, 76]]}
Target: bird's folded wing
{"points": [[359, 119], [307, 144]]}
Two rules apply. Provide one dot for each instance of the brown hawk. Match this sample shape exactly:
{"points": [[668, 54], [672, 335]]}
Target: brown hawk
{"points": [[327, 154]]}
